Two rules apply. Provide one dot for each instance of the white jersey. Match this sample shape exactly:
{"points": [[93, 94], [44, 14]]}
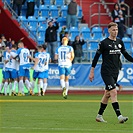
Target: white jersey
{"points": [[46, 67], [11, 64], [14, 61], [23, 54], [3, 69], [42, 60], [64, 54]]}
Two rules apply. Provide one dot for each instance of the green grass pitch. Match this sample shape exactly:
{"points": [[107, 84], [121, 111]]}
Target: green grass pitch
{"points": [[53, 114]]}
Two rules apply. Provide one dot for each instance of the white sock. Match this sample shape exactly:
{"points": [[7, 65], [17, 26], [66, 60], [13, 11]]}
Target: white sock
{"points": [[14, 86], [33, 83], [38, 87], [21, 86], [10, 88], [27, 84], [67, 87], [62, 82], [41, 84], [5, 88], [44, 87], [119, 116], [1, 86]]}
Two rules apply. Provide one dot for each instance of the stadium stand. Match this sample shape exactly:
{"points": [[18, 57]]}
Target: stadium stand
{"points": [[44, 11], [42, 21], [105, 32], [63, 11], [32, 21], [74, 31], [127, 43], [97, 32], [57, 9], [41, 31], [59, 2], [53, 11], [36, 11], [86, 33]]}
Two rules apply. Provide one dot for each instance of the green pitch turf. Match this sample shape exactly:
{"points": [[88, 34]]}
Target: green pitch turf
{"points": [[52, 113]]}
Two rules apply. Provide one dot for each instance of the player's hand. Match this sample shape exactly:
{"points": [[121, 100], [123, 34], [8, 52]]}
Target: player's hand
{"points": [[91, 76], [120, 88]]}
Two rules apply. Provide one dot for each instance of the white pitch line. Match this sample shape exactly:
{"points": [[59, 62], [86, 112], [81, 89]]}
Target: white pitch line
{"points": [[58, 101], [66, 129]]}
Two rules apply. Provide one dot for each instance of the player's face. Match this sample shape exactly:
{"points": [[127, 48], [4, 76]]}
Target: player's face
{"points": [[20, 45], [113, 30]]}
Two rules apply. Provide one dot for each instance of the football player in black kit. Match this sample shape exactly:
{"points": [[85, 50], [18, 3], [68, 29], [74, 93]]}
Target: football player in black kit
{"points": [[111, 49]]}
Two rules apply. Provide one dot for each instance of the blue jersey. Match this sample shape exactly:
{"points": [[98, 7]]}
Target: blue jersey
{"points": [[64, 55]]}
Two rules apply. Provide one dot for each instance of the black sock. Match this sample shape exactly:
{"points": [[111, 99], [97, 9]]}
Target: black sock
{"points": [[102, 108], [116, 108]]}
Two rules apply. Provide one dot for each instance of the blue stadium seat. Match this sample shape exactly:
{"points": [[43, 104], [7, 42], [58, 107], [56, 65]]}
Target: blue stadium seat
{"points": [[102, 38], [61, 21], [74, 32], [53, 10], [32, 32], [44, 11], [32, 21], [59, 2], [41, 31], [24, 10], [47, 2], [64, 10], [97, 32], [40, 40], [105, 32], [129, 31], [42, 21], [91, 55], [127, 43], [23, 21], [8, 1], [86, 33], [36, 11], [93, 44], [80, 13], [84, 47]]}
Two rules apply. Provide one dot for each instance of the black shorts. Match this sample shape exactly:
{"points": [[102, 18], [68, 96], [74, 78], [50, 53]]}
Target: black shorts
{"points": [[109, 80]]}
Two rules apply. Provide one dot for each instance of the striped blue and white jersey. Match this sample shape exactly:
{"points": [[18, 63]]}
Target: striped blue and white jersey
{"points": [[46, 67], [23, 54], [42, 61], [64, 55], [15, 61]]}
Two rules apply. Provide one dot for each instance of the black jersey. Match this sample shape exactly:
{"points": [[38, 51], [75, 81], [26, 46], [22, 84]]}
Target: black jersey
{"points": [[111, 51]]}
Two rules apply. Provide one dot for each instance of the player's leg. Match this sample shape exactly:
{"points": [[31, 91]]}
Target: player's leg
{"points": [[62, 76], [104, 100], [40, 80], [45, 84], [67, 73], [40, 86], [14, 77], [115, 104], [10, 86], [3, 81], [27, 82], [2, 85], [7, 77], [45, 81]]}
